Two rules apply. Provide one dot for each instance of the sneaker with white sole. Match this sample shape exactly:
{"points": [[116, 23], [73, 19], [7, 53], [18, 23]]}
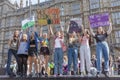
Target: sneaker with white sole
{"points": [[60, 75], [82, 74], [89, 75], [55, 75]]}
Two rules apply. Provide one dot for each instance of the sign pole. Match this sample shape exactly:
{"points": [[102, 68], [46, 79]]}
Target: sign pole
{"points": [[30, 29]]}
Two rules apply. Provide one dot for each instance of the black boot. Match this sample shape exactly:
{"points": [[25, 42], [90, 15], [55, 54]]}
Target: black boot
{"points": [[46, 75], [106, 73], [40, 74], [98, 74]]}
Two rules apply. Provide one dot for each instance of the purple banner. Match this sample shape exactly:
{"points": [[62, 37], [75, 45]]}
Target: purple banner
{"points": [[99, 20]]}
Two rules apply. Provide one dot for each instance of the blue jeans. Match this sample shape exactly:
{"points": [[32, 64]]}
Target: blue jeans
{"points": [[72, 57], [10, 53], [102, 49], [58, 60]]}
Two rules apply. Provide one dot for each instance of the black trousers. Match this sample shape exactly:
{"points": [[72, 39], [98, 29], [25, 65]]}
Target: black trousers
{"points": [[22, 64]]}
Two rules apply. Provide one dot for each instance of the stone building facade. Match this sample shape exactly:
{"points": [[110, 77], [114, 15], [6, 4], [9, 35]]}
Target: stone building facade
{"points": [[11, 17]]}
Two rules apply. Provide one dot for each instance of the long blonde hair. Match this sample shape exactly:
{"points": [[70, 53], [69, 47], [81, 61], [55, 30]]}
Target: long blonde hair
{"points": [[24, 35]]}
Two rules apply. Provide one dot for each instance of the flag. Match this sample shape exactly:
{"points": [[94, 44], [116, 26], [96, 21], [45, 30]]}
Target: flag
{"points": [[27, 23]]}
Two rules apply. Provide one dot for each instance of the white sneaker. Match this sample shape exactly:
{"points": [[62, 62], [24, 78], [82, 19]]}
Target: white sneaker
{"points": [[82, 74], [60, 75], [55, 75], [69, 73], [89, 75]]}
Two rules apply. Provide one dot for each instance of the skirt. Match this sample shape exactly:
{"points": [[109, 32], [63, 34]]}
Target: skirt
{"points": [[32, 51], [44, 51]]}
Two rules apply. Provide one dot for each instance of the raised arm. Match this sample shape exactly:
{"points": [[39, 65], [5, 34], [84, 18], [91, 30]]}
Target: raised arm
{"points": [[9, 43], [35, 29], [41, 32], [110, 29], [75, 34], [80, 39], [82, 27], [51, 30], [20, 35], [35, 32], [39, 37], [91, 31], [68, 27]]}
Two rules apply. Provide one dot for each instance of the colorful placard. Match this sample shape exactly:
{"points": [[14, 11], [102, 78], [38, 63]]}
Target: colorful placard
{"points": [[51, 15], [75, 25], [99, 20]]}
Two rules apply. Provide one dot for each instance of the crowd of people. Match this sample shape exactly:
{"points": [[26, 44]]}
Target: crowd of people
{"points": [[24, 47]]}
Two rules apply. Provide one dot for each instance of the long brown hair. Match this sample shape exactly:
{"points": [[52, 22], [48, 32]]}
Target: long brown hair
{"points": [[90, 38], [15, 38], [102, 30], [32, 36]]}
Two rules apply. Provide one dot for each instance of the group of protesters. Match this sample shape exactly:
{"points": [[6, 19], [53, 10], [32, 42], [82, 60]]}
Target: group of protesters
{"points": [[24, 47]]}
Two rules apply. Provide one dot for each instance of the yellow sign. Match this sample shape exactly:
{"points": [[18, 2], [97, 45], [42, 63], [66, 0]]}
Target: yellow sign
{"points": [[42, 22]]}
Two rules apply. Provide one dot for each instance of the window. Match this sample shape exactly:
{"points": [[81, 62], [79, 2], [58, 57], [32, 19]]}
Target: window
{"points": [[75, 8], [0, 36], [106, 3], [0, 9], [7, 35], [12, 21], [5, 48], [57, 28], [0, 48], [0, 23], [94, 4], [116, 18], [115, 3], [21, 18], [8, 22], [45, 29], [62, 10], [117, 36]]}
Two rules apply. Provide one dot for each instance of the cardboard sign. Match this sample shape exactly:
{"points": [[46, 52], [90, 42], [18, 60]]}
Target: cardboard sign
{"points": [[99, 20], [52, 16], [75, 25]]}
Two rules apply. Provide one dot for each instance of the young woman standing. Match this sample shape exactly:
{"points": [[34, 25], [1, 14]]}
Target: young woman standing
{"points": [[33, 53], [102, 49], [85, 56], [13, 47], [72, 52], [44, 50], [58, 53], [23, 56]]}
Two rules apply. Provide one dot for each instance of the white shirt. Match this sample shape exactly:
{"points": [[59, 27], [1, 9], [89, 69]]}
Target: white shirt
{"points": [[57, 42], [85, 41]]}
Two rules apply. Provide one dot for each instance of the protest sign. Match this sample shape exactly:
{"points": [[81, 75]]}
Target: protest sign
{"points": [[99, 20]]}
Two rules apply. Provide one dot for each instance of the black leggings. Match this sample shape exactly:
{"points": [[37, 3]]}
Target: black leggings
{"points": [[22, 64]]}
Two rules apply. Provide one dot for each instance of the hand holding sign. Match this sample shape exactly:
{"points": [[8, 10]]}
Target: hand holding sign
{"points": [[110, 28]]}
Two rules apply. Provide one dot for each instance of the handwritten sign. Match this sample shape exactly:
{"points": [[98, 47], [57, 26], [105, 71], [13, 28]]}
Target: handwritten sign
{"points": [[99, 20], [75, 25]]}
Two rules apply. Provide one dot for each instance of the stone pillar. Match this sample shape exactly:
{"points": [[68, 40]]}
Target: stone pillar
{"points": [[21, 3]]}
